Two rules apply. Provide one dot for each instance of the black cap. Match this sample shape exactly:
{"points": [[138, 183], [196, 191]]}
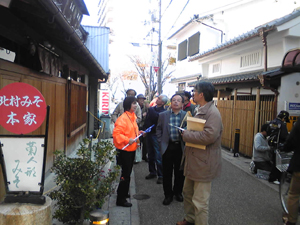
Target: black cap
{"points": [[187, 94], [284, 115], [140, 96]]}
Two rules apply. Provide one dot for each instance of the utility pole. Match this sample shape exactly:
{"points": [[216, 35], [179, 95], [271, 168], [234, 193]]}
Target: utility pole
{"points": [[159, 74], [151, 66]]}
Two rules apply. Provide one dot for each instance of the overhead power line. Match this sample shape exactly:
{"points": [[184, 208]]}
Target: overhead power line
{"points": [[177, 18], [166, 8]]}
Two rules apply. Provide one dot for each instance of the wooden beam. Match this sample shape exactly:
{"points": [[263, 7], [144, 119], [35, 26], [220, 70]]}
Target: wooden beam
{"points": [[256, 116]]}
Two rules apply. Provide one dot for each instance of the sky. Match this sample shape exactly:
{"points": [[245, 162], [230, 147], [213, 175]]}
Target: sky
{"points": [[129, 15], [129, 24]]}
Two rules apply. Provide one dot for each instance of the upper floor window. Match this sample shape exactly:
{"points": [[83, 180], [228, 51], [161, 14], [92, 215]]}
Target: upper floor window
{"points": [[189, 47], [193, 44], [216, 68], [182, 50], [250, 60], [181, 86]]}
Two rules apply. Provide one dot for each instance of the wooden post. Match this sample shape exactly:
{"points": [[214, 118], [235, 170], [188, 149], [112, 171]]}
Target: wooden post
{"points": [[2, 185], [233, 115], [256, 116]]}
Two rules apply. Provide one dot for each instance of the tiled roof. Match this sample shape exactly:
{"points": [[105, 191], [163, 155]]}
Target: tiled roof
{"points": [[251, 34], [241, 77]]}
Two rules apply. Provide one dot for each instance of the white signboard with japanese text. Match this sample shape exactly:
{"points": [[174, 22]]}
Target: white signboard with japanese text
{"points": [[293, 108], [23, 159]]}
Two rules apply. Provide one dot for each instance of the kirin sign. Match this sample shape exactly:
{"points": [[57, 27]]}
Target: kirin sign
{"points": [[22, 108], [104, 102]]}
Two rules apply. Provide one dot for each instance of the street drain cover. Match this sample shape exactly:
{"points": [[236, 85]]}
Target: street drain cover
{"points": [[141, 196]]}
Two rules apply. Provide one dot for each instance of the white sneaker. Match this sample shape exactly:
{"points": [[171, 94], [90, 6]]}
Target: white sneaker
{"points": [[276, 182]]}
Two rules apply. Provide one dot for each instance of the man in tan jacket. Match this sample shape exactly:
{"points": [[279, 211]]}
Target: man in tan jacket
{"points": [[119, 110], [201, 166]]}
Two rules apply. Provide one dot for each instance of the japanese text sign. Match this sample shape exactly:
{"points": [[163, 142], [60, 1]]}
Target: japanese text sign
{"points": [[22, 108], [24, 169]]}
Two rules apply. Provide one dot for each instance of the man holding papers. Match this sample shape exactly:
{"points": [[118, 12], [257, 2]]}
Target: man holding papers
{"points": [[171, 148], [201, 166]]}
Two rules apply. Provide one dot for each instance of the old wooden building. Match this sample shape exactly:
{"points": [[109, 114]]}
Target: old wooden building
{"points": [[43, 44]]}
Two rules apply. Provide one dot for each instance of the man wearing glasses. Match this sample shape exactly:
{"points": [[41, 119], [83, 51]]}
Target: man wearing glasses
{"points": [[201, 166], [171, 148]]}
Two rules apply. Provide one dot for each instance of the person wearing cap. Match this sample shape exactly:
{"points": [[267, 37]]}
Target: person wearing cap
{"points": [[119, 110], [277, 132], [278, 127], [144, 109], [187, 105]]}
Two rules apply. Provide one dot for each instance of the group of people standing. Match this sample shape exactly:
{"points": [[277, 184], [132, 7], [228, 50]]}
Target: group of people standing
{"points": [[193, 168]]}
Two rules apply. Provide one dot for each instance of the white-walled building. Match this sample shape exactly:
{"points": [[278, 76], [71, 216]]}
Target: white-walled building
{"points": [[248, 68], [225, 28]]}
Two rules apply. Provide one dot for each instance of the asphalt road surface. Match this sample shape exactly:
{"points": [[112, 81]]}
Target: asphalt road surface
{"points": [[237, 198]]}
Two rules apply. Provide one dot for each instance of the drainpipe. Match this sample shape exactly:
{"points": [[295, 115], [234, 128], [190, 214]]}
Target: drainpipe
{"points": [[276, 93], [222, 33], [263, 34]]}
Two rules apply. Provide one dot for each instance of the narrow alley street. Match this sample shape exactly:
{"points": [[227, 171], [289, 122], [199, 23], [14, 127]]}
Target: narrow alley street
{"points": [[238, 198]]}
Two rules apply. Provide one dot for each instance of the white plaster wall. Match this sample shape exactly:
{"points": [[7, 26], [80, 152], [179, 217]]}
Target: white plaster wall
{"points": [[252, 91], [239, 21], [275, 54], [295, 30], [289, 92], [230, 58], [290, 43], [245, 17]]}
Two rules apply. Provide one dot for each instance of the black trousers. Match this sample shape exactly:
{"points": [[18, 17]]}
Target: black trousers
{"points": [[275, 173], [143, 143], [171, 160], [266, 165], [125, 160]]}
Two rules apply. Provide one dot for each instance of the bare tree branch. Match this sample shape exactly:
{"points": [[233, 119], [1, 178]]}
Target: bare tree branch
{"points": [[148, 77]]}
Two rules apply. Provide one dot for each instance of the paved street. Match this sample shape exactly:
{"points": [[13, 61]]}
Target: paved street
{"points": [[238, 198]]}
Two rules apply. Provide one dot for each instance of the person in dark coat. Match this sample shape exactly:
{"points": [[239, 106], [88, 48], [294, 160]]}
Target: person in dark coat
{"points": [[277, 132], [141, 100], [154, 156], [293, 144], [187, 105]]}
